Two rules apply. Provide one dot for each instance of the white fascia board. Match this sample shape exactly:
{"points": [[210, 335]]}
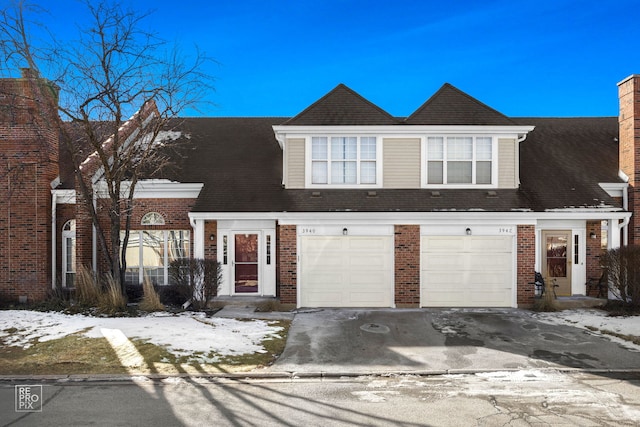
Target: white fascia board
{"points": [[64, 197], [614, 189], [155, 189], [282, 132], [400, 218]]}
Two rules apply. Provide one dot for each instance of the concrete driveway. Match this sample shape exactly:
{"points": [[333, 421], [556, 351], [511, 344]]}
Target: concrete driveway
{"points": [[352, 341]]}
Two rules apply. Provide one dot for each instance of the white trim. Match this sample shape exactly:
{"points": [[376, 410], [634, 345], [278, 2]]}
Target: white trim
{"points": [[399, 218], [285, 131], [63, 197], [154, 189], [614, 189]]}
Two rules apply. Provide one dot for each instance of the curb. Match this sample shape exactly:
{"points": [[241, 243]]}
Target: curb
{"points": [[287, 376]]}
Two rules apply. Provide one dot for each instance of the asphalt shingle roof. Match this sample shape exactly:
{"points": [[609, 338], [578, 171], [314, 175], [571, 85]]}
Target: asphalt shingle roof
{"points": [[450, 106], [342, 107], [563, 160]]}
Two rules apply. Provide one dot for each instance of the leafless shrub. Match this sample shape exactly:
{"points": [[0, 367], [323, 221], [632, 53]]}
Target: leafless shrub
{"points": [[622, 267], [201, 276]]}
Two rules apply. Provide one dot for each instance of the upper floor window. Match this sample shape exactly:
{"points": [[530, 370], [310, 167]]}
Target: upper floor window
{"points": [[344, 160], [459, 160], [152, 218]]}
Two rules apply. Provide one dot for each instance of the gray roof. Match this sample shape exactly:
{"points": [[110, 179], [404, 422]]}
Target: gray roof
{"points": [[240, 162], [450, 106], [342, 107], [564, 159]]}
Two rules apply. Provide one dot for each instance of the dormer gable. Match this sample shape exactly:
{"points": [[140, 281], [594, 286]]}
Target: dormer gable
{"points": [[451, 106], [342, 107]]}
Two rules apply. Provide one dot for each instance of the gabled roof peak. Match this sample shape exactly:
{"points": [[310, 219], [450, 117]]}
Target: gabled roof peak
{"points": [[451, 106], [342, 106]]}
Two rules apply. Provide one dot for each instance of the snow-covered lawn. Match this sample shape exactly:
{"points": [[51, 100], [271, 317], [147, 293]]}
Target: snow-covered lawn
{"points": [[597, 321], [181, 334]]}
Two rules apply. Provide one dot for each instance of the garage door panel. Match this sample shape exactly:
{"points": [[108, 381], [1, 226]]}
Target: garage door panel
{"points": [[346, 271], [480, 274], [442, 262], [442, 244]]}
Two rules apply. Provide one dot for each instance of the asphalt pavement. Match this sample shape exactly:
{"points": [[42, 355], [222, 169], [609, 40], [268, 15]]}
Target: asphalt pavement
{"points": [[433, 341]]}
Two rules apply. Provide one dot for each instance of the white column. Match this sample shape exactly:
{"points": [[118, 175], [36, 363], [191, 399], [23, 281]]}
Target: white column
{"points": [[198, 239], [613, 234]]}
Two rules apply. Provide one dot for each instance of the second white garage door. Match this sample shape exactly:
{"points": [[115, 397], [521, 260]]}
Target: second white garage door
{"points": [[346, 271], [467, 271]]}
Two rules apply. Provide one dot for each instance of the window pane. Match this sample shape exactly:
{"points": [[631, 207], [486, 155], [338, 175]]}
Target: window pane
{"points": [[319, 172], [483, 148], [434, 173], [153, 256], [368, 172], [483, 173], [458, 172], [132, 256], [344, 148], [178, 244], [343, 172], [460, 148], [368, 148], [319, 148], [435, 149]]}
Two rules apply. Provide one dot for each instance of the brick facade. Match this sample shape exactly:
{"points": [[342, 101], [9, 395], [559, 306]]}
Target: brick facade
{"points": [[28, 163], [526, 259], [287, 271], [407, 265], [629, 147]]}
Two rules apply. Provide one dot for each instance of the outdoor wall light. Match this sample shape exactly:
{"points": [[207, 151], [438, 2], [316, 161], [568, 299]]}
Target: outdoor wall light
{"points": [[212, 237], [593, 235], [468, 231], [345, 231]]}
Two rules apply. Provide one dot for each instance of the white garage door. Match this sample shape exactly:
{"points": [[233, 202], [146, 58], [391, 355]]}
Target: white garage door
{"points": [[346, 271], [467, 271]]}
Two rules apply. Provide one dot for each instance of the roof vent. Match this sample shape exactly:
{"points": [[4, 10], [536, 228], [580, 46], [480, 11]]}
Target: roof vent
{"points": [[492, 193], [372, 194], [316, 194], [435, 194]]}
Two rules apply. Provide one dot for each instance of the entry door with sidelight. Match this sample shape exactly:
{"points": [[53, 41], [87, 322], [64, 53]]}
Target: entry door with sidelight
{"points": [[246, 263], [556, 260]]}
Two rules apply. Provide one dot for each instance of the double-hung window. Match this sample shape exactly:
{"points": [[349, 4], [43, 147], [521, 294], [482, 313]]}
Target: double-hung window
{"points": [[459, 160], [343, 160]]}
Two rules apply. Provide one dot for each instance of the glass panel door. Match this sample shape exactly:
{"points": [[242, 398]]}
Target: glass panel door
{"points": [[245, 263], [557, 260]]}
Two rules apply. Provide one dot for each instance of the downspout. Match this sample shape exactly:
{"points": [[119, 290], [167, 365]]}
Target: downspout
{"points": [[54, 201], [625, 221]]}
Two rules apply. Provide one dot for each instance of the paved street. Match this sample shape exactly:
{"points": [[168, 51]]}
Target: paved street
{"points": [[526, 398]]}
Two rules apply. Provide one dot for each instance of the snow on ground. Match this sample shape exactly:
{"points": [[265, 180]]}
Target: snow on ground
{"points": [[188, 333], [593, 319], [181, 334]]}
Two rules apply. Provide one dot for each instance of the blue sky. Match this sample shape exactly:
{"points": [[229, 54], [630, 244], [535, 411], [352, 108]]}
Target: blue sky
{"points": [[556, 58]]}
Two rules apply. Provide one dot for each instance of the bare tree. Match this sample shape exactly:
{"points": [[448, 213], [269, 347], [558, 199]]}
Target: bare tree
{"points": [[120, 85]]}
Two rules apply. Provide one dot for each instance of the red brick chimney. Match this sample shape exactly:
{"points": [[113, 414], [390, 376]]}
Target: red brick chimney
{"points": [[629, 147], [29, 138]]}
